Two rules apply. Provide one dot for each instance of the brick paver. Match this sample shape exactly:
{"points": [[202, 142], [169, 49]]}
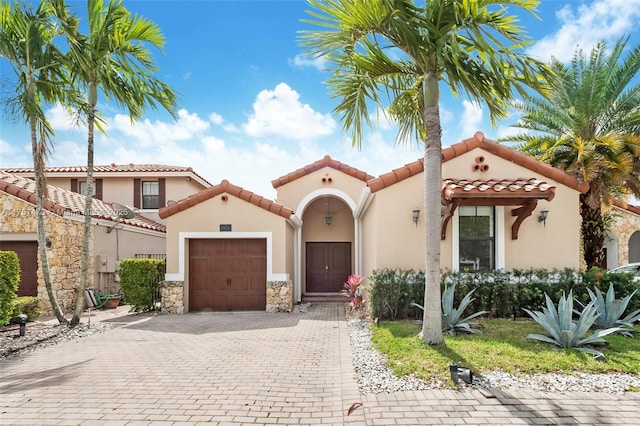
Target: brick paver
{"points": [[255, 369]]}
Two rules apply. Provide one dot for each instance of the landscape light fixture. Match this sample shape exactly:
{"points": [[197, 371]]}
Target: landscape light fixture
{"points": [[460, 373], [543, 216]]}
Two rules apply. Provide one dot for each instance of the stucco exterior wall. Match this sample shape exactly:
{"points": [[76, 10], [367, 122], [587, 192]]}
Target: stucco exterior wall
{"points": [[554, 245], [241, 215], [291, 194], [63, 256]]}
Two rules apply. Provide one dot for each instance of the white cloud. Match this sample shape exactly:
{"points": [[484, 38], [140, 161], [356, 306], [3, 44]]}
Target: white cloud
{"points": [[147, 133], [279, 112], [187, 75], [216, 118], [6, 148], [60, 118], [587, 25], [471, 119], [304, 61]]}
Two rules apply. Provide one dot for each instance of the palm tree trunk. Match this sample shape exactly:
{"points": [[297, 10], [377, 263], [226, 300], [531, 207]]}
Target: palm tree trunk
{"points": [[84, 263], [593, 232], [38, 152], [432, 321]]}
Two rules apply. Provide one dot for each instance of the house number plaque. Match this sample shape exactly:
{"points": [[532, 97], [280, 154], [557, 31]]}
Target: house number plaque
{"points": [[225, 227]]}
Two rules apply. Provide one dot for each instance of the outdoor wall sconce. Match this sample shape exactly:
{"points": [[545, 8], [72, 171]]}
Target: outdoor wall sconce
{"points": [[328, 219], [47, 243], [543, 216], [460, 373], [416, 215]]}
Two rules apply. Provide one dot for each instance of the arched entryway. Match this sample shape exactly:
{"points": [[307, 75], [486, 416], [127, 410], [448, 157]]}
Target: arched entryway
{"points": [[634, 247], [328, 242]]}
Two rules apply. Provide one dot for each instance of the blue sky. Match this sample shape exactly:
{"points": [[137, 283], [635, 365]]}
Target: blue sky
{"points": [[254, 108]]}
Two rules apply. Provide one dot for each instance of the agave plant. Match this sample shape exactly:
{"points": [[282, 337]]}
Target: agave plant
{"points": [[566, 333], [611, 309], [452, 320]]}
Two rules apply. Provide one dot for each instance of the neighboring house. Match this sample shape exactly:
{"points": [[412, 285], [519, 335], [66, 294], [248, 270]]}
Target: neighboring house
{"points": [[145, 187], [113, 238], [230, 249], [623, 242]]}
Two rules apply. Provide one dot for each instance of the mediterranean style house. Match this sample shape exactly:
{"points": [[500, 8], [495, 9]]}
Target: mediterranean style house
{"points": [[113, 238], [145, 187], [231, 249]]}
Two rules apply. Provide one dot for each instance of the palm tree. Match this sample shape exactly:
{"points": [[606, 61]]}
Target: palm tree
{"points": [[395, 54], [114, 58], [590, 127], [26, 42]]}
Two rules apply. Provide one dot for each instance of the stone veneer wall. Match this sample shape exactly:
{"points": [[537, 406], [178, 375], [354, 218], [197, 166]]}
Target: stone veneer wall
{"points": [[64, 255], [625, 224], [172, 293], [279, 296]]}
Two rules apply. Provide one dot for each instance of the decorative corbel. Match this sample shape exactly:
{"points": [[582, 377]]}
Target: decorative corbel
{"points": [[522, 212], [450, 210]]}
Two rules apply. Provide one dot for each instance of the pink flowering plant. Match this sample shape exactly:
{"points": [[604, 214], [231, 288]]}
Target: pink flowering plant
{"points": [[353, 289]]}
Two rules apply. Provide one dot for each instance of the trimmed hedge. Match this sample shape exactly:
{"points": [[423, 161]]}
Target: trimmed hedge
{"points": [[503, 294], [140, 282], [9, 282]]}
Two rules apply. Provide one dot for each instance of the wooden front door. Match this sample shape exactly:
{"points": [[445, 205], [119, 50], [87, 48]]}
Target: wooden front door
{"points": [[227, 275], [328, 266], [28, 254]]}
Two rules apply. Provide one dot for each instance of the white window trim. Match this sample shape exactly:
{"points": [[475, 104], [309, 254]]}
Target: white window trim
{"points": [[499, 239], [184, 236]]}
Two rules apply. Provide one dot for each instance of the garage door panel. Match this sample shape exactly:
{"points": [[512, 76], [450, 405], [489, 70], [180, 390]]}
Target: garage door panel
{"points": [[227, 274], [27, 252]]}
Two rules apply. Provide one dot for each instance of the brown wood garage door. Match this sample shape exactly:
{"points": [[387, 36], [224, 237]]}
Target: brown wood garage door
{"points": [[28, 255], [227, 275]]}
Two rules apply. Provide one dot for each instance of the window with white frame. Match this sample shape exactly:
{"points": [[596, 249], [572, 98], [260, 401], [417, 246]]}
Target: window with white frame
{"points": [[150, 195], [476, 237]]}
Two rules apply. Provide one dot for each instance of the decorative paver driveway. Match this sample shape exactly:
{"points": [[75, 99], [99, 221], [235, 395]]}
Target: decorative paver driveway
{"points": [[253, 368]]}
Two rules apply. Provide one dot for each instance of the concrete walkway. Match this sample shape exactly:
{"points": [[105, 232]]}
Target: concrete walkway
{"points": [[251, 368]]}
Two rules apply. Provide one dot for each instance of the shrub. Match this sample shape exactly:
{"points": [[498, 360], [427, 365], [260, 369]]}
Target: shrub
{"points": [[29, 306], [9, 282], [393, 290], [140, 282], [502, 293]]}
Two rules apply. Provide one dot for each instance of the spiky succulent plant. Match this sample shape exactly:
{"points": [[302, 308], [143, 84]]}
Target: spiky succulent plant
{"points": [[452, 320], [566, 333], [611, 309]]}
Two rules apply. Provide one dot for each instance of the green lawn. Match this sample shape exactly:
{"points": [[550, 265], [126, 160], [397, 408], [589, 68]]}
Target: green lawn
{"points": [[501, 346]]}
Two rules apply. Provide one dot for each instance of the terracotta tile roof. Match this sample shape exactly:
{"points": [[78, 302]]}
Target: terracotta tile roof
{"points": [[325, 162], [111, 168], [505, 188], [479, 141], [628, 207], [225, 187], [62, 201]]}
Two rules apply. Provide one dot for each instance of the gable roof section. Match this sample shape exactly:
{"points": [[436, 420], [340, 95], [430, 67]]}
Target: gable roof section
{"points": [[628, 207], [229, 188], [62, 201], [114, 169], [313, 167], [479, 141]]}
